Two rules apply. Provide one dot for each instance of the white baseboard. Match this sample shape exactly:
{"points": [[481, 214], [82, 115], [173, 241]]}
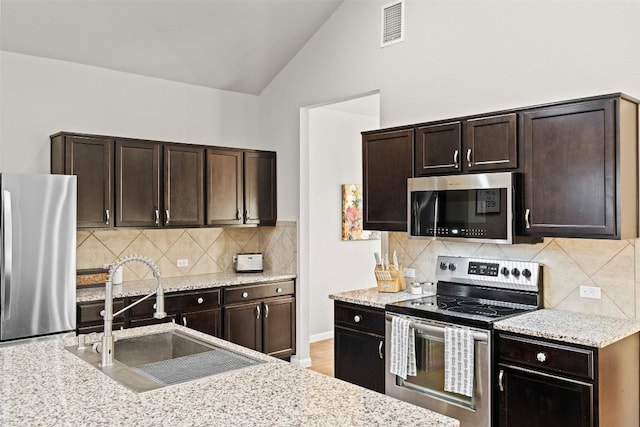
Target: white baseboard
{"points": [[321, 336], [303, 363]]}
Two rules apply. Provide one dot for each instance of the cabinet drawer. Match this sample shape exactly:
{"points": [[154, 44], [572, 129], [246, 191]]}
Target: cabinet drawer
{"points": [[359, 317], [250, 292], [193, 301], [556, 358], [178, 303], [88, 313]]}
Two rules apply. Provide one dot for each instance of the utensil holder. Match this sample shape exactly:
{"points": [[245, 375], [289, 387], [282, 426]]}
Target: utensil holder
{"points": [[390, 280]]}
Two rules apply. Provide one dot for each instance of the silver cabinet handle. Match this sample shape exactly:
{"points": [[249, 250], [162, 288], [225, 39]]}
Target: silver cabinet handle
{"points": [[106, 214], [200, 300], [257, 311], [500, 376], [238, 215], [266, 310], [279, 290], [245, 295], [380, 349], [184, 321], [101, 313], [157, 212], [246, 214], [469, 157], [357, 318], [7, 242], [455, 158], [541, 357], [526, 218], [168, 218]]}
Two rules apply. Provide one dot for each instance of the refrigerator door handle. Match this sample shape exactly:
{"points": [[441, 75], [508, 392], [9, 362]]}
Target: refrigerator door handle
{"points": [[6, 255]]}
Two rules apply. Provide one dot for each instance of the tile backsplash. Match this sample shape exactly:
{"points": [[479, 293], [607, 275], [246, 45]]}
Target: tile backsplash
{"points": [[612, 265], [208, 250]]}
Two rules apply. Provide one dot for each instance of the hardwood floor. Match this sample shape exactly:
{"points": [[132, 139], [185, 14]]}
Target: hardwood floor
{"points": [[322, 357]]}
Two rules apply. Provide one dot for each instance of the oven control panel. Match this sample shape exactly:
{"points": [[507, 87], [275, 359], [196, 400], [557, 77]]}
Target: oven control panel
{"points": [[490, 272]]}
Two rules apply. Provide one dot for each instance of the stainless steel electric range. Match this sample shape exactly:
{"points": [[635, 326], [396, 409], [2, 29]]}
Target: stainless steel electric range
{"points": [[472, 293]]}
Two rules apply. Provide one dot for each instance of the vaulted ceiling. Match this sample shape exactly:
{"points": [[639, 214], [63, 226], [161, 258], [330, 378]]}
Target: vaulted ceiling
{"points": [[236, 45]]}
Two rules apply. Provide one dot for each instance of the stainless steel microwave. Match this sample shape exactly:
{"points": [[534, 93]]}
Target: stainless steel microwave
{"points": [[473, 207]]}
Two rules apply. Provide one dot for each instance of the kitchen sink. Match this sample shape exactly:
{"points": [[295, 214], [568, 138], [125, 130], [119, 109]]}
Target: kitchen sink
{"points": [[153, 361]]}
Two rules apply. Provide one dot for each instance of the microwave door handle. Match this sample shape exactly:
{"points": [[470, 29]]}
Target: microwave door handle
{"points": [[7, 243]]}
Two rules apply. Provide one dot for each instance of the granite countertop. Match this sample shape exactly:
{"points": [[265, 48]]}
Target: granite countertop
{"points": [[575, 328], [176, 284], [372, 298], [44, 384]]}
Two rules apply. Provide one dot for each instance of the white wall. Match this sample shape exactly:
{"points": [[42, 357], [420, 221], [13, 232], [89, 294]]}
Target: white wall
{"points": [[43, 96], [459, 57], [334, 159]]}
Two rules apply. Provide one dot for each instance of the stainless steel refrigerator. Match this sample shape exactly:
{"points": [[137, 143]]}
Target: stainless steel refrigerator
{"points": [[37, 255]]}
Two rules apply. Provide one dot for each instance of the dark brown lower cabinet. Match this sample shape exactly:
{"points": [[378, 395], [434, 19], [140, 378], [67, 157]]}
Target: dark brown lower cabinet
{"points": [[89, 316], [531, 399], [208, 321], [264, 325], [359, 345], [552, 384]]}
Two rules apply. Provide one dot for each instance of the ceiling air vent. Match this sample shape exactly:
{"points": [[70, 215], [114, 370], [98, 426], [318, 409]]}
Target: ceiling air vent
{"points": [[392, 23]]}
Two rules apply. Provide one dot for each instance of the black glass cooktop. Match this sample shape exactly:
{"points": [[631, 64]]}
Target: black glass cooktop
{"points": [[459, 309]]}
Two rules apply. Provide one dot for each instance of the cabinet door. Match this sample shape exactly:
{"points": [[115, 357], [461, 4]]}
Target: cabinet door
{"points": [[533, 400], [224, 186], [387, 163], [570, 170], [359, 358], [208, 322], [490, 143], [183, 185], [260, 202], [137, 183], [243, 324], [438, 149], [279, 327], [91, 160]]}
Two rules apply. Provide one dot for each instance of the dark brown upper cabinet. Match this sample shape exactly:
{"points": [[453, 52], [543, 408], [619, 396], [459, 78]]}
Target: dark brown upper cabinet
{"points": [[387, 163], [260, 202], [490, 143], [437, 149], [580, 176], [138, 183], [487, 143], [241, 187], [91, 160], [224, 186], [161, 184], [183, 185]]}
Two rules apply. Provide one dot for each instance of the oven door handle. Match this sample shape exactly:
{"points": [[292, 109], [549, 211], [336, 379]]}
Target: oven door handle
{"points": [[438, 331]]}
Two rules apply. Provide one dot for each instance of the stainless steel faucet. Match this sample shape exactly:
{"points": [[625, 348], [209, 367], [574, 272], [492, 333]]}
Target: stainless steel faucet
{"points": [[107, 338]]}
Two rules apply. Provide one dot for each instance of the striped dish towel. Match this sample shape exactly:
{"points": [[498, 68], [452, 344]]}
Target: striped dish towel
{"points": [[403, 348], [458, 361]]}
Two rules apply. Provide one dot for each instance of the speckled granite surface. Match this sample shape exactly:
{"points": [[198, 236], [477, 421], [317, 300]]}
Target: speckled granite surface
{"points": [[372, 298], [44, 384], [570, 327], [175, 284]]}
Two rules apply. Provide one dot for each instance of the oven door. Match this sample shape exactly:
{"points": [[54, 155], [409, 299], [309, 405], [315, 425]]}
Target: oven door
{"points": [[426, 389]]}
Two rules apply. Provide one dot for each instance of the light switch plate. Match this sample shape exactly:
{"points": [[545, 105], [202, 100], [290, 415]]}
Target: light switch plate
{"points": [[593, 292], [182, 263]]}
